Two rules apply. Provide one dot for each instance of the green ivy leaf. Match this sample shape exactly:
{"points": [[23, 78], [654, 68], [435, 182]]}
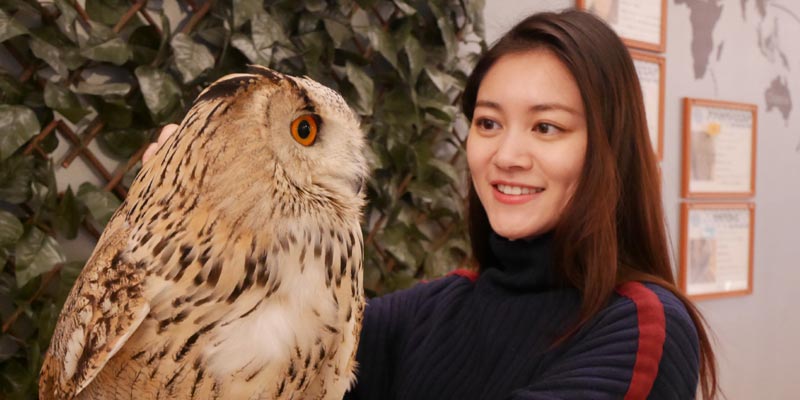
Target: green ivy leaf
{"points": [[438, 263], [307, 23], [69, 215], [9, 27], [213, 32], [405, 7], [130, 176], [69, 274], [399, 280], [16, 174], [396, 109], [245, 45], [440, 108], [266, 31], [99, 34], [243, 10], [366, 3], [64, 101], [123, 143], [395, 241], [51, 55], [443, 80], [114, 50], [11, 90], [16, 380], [163, 45], [315, 48], [475, 15], [46, 320], [8, 347], [66, 21], [116, 114], [315, 5], [364, 86], [445, 168], [416, 58], [446, 30], [49, 143], [103, 89], [50, 45], [108, 12], [381, 41], [101, 204], [144, 43], [338, 32], [41, 196], [36, 254], [161, 93], [18, 124], [10, 228], [191, 58]]}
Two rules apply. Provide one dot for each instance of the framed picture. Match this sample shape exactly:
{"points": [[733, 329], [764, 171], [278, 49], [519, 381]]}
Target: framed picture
{"points": [[719, 148], [650, 69], [716, 249], [640, 23]]}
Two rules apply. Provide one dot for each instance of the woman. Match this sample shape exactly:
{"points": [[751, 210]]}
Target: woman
{"points": [[566, 224], [574, 296]]}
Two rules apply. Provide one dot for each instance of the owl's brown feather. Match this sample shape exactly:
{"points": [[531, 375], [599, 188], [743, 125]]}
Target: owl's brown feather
{"points": [[233, 268], [103, 309]]}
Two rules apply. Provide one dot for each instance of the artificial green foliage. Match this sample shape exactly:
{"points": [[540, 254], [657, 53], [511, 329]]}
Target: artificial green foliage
{"points": [[400, 64]]}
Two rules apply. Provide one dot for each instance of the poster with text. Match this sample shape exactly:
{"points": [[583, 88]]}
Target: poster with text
{"points": [[716, 249], [719, 143], [650, 70], [640, 23]]}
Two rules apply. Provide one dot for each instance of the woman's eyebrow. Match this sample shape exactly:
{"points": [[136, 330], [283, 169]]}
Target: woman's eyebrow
{"points": [[488, 103], [536, 107], [554, 106]]}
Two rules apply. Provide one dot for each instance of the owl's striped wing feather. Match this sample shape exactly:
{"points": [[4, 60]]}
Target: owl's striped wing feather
{"points": [[104, 308]]}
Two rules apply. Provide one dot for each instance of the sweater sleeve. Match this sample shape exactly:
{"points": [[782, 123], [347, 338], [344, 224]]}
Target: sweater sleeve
{"points": [[384, 332], [643, 346]]}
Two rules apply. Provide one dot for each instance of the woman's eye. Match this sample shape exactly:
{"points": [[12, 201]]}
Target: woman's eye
{"points": [[486, 124], [543, 127]]}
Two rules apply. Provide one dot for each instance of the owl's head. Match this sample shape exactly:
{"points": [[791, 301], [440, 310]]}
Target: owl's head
{"points": [[267, 141]]}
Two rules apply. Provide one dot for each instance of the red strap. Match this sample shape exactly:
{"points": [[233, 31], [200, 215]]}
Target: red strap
{"points": [[470, 274], [652, 332]]}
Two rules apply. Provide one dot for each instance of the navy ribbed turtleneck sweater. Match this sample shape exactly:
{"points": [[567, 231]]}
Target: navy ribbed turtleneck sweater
{"points": [[491, 337]]}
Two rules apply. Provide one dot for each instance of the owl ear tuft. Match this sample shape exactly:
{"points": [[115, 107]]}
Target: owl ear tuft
{"points": [[273, 76]]}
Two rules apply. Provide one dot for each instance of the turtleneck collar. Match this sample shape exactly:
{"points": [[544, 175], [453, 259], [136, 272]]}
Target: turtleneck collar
{"points": [[524, 264]]}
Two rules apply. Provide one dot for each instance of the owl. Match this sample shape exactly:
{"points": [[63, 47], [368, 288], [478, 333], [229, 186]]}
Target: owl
{"points": [[233, 269]]}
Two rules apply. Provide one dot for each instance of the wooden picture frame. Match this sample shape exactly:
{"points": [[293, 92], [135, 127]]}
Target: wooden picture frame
{"points": [[719, 149], [716, 258], [641, 24], [651, 70]]}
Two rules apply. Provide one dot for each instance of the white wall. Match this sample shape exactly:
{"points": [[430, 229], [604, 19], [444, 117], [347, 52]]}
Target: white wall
{"points": [[758, 352]]}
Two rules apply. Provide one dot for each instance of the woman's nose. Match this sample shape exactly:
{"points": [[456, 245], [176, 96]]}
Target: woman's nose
{"points": [[513, 152]]}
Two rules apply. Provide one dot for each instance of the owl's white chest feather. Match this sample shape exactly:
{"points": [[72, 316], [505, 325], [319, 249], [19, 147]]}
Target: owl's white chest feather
{"points": [[293, 317]]}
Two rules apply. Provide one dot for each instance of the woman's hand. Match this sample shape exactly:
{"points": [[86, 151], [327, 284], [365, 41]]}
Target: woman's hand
{"points": [[166, 132]]}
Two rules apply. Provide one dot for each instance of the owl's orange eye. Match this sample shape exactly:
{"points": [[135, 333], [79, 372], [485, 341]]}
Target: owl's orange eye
{"points": [[304, 130]]}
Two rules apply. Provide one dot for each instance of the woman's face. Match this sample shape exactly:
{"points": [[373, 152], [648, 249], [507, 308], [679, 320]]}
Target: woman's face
{"points": [[527, 142]]}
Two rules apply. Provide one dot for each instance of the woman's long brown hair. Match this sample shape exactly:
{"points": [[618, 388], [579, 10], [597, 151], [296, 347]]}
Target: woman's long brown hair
{"points": [[613, 229]]}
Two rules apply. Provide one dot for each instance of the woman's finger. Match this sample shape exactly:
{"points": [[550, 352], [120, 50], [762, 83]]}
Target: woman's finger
{"points": [[165, 133]]}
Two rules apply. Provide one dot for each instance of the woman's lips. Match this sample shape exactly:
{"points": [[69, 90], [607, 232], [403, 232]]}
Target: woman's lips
{"points": [[515, 194]]}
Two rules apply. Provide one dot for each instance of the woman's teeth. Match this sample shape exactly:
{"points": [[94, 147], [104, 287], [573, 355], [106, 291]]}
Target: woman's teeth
{"points": [[517, 190]]}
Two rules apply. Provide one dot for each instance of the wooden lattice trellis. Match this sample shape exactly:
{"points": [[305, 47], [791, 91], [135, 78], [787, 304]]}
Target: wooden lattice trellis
{"points": [[79, 141]]}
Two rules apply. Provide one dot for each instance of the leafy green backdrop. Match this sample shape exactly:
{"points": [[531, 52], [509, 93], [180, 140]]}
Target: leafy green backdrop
{"points": [[114, 71]]}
